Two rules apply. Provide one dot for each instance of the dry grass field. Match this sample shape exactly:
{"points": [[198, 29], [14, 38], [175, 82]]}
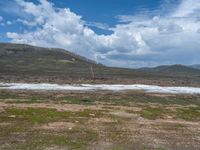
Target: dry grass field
{"points": [[98, 121]]}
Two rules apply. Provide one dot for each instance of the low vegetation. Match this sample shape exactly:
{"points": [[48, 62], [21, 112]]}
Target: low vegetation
{"points": [[25, 63], [104, 120]]}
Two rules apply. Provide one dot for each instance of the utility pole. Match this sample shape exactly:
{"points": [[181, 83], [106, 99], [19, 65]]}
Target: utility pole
{"points": [[92, 71]]}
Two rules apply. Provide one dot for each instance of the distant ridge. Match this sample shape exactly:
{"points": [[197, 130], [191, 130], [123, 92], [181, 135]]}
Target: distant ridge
{"points": [[197, 66], [26, 63], [174, 69]]}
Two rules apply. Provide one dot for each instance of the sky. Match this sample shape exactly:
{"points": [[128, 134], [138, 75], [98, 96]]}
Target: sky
{"points": [[121, 33]]}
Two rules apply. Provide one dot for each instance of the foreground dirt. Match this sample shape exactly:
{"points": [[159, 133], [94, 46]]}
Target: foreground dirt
{"points": [[102, 126]]}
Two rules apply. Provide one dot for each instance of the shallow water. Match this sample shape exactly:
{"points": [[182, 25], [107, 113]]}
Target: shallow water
{"points": [[99, 87]]}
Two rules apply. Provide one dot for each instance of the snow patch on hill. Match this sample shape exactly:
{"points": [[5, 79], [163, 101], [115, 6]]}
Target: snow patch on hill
{"points": [[99, 87]]}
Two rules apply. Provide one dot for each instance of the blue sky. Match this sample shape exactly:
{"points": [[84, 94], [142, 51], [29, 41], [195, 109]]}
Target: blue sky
{"points": [[124, 33], [101, 11], [105, 11]]}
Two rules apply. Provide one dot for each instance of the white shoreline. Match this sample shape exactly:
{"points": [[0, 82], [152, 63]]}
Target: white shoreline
{"points": [[99, 87]]}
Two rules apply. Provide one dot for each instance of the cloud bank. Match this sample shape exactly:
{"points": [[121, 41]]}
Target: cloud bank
{"points": [[138, 40]]}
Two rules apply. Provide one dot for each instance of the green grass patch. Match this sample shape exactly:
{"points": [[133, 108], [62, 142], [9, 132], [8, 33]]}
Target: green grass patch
{"points": [[120, 99], [44, 140], [190, 114], [185, 113], [153, 113], [36, 116]]}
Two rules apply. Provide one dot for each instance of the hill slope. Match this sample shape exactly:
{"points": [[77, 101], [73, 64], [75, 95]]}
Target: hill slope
{"points": [[197, 66], [25, 63], [177, 69], [17, 58]]}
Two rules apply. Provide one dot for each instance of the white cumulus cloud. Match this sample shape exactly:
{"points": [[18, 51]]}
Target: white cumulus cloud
{"points": [[137, 41]]}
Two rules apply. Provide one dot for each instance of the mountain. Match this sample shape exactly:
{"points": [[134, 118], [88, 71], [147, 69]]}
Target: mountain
{"points": [[197, 66], [26, 59], [174, 69], [25, 63], [20, 62], [177, 69]]}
